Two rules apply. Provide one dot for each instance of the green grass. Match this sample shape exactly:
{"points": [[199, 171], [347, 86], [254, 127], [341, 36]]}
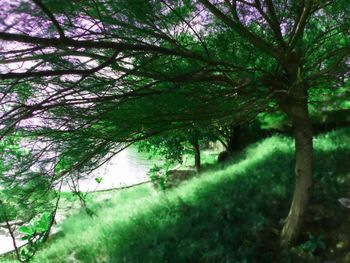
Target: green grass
{"points": [[230, 213]]}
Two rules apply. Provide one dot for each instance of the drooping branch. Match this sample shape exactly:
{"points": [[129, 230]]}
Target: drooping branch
{"points": [[68, 42], [108, 45], [47, 73]]}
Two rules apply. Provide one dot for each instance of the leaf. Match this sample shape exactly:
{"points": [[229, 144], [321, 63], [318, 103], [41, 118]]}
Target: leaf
{"points": [[26, 237], [43, 223], [24, 252], [342, 42], [98, 179], [26, 230]]}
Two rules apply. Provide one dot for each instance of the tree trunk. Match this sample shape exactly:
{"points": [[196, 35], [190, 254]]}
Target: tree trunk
{"points": [[298, 112], [197, 155], [234, 139]]}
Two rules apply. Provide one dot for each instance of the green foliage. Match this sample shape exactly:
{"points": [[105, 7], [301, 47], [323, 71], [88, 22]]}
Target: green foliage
{"points": [[245, 66], [34, 233], [172, 147], [36, 227], [275, 121], [230, 213], [10, 153], [24, 201], [159, 175], [28, 196], [24, 91], [98, 180], [312, 244], [307, 251]]}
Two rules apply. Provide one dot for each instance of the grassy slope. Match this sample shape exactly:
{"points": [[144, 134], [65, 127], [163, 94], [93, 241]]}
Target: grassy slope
{"points": [[230, 213]]}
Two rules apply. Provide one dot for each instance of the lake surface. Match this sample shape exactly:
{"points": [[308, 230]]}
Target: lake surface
{"points": [[126, 168]]}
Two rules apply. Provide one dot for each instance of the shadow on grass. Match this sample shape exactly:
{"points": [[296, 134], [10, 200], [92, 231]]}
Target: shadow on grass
{"points": [[232, 213]]}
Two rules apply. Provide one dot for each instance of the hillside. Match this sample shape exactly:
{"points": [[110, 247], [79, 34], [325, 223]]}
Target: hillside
{"points": [[232, 212]]}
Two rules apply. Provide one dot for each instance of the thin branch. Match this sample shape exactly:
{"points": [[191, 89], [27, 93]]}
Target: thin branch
{"points": [[242, 31], [53, 214], [189, 25], [118, 46], [48, 73], [51, 16], [8, 226]]}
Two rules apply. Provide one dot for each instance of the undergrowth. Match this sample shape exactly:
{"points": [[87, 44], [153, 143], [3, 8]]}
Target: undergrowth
{"points": [[232, 212]]}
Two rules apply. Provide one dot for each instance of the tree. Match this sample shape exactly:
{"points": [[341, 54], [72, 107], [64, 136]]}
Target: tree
{"points": [[174, 145], [87, 62]]}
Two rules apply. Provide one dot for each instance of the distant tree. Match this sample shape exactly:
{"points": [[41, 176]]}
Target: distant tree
{"points": [[83, 64], [175, 144]]}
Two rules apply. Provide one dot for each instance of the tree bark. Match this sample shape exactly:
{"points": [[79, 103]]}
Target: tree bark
{"points": [[197, 155], [234, 141], [298, 112]]}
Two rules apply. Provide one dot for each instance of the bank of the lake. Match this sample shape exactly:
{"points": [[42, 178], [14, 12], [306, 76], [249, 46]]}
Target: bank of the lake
{"points": [[125, 169], [230, 213]]}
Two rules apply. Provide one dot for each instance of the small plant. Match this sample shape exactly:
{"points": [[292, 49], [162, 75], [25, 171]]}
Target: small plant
{"points": [[312, 244], [98, 179], [35, 233], [159, 175]]}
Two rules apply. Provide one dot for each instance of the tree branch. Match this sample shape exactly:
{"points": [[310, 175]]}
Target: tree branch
{"points": [[118, 46], [51, 16], [242, 31], [48, 73], [274, 23], [300, 24]]}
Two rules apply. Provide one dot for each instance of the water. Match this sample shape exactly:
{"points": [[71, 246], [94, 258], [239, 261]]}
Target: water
{"points": [[126, 168], [6, 244]]}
